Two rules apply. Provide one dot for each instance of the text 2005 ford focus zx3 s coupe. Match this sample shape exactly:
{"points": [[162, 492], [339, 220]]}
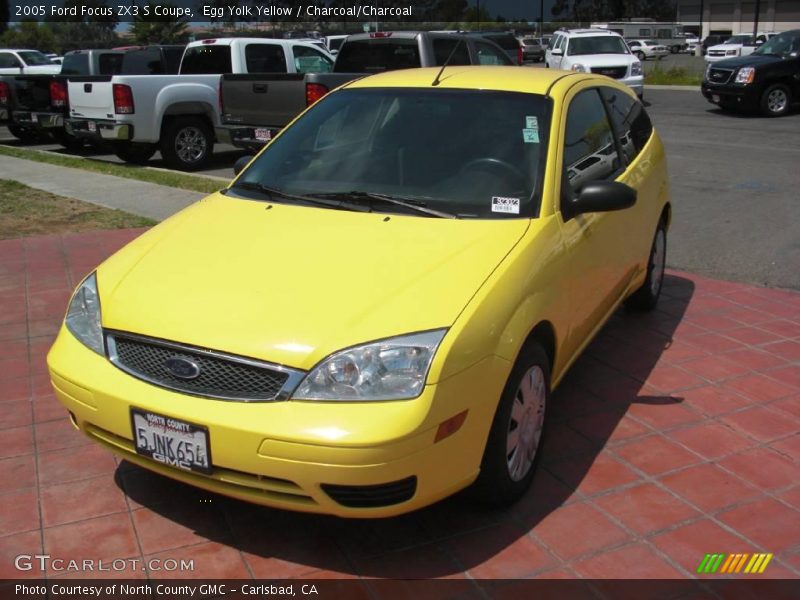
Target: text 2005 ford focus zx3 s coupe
{"points": [[372, 316]]}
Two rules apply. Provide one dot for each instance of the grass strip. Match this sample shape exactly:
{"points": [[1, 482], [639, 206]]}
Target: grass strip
{"points": [[27, 211], [176, 180], [673, 76]]}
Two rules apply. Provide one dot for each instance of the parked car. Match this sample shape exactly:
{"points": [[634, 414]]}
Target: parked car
{"points": [[25, 62], [251, 117], [713, 40], [691, 44], [644, 49], [767, 80], [177, 114], [533, 49], [596, 51], [737, 45], [428, 285], [510, 44]]}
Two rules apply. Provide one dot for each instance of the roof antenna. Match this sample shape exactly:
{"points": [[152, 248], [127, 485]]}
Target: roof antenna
{"points": [[436, 80]]}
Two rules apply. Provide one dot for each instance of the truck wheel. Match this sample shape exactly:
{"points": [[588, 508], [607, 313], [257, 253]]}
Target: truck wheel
{"points": [[646, 297], [512, 450], [776, 100], [187, 144], [136, 153], [23, 134], [69, 142]]}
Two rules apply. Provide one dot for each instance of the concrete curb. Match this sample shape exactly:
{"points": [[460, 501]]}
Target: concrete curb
{"points": [[676, 88]]}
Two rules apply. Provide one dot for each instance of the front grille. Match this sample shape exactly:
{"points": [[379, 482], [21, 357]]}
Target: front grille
{"points": [[372, 496], [718, 75], [716, 52], [613, 72], [218, 375]]}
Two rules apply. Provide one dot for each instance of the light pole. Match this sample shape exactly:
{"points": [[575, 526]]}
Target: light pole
{"points": [[755, 20], [541, 18]]}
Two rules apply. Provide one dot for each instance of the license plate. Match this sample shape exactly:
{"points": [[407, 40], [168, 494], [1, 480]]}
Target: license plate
{"points": [[714, 97], [91, 126], [263, 135], [24, 117], [172, 442]]}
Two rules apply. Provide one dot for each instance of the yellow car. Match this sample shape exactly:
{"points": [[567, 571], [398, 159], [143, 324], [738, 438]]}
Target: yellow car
{"points": [[373, 314]]}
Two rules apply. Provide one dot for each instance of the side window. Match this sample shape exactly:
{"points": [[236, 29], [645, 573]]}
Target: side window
{"points": [[442, 47], [489, 55], [308, 60], [631, 122], [562, 41], [589, 149], [9, 61], [110, 64], [264, 58]]}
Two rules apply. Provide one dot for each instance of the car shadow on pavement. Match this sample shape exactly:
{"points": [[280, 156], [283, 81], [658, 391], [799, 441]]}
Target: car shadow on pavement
{"points": [[587, 416]]}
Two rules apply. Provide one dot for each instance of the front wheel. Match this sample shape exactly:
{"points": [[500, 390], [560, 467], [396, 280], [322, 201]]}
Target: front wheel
{"points": [[646, 297], [509, 459], [776, 100], [641, 56], [187, 144]]}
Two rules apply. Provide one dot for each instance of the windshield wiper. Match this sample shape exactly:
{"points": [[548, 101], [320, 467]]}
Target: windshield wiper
{"points": [[406, 202], [275, 192]]}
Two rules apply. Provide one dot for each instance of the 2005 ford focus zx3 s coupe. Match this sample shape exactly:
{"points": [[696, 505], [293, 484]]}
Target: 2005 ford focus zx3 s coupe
{"points": [[373, 314]]}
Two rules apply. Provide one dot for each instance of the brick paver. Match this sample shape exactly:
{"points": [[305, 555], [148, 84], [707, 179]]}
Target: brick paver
{"points": [[676, 434]]}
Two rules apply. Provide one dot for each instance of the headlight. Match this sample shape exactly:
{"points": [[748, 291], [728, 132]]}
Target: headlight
{"points": [[83, 315], [745, 75], [390, 369], [579, 68], [732, 52], [636, 69]]}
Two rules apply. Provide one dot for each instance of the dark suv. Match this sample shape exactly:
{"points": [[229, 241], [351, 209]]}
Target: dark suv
{"points": [[767, 80]]}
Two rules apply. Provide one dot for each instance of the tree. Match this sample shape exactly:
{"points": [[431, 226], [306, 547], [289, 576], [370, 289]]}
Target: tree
{"points": [[90, 32], [151, 29], [30, 34], [5, 15]]}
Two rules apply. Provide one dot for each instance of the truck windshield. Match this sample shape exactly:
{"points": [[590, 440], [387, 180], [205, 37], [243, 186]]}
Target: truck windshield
{"points": [[784, 45], [207, 60], [378, 54], [601, 44], [413, 144]]}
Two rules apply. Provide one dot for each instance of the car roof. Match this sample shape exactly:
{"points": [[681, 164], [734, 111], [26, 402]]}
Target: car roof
{"points": [[496, 78], [580, 32]]}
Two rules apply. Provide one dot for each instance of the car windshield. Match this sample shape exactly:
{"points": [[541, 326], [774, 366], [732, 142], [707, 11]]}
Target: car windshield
{"points": [[601, 44], [739, 39], [413, 144], [33, 58], [784, 45]]}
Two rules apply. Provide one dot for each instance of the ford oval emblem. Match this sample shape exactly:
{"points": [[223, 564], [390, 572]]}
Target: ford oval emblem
{"points": [[182, 368]]}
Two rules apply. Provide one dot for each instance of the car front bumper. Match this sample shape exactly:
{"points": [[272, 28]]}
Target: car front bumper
{"points": [[361, 445], [715, 59], [731, 95], [98, 130]]}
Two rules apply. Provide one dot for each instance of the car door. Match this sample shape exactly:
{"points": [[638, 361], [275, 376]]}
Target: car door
{"points": [[601, 261], [9, 64]]}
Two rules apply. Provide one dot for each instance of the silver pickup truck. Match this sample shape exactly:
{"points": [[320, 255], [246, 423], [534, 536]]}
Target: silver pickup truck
{"points": [[174, 114], [256, 107]]}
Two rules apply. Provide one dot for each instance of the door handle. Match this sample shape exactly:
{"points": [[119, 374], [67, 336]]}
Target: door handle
{"points": [[260, 88]]}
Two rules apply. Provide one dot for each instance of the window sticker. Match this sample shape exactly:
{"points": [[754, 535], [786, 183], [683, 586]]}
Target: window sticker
{"points": [[531, 123], [505, 205], [530, 136]]}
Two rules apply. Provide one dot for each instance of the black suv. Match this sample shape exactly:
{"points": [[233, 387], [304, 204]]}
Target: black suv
{"points": [[767, 80]]}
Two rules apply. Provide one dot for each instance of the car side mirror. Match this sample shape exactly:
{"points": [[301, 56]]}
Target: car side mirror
{"points": [[241, 163], [601, 196], [557, 52]]}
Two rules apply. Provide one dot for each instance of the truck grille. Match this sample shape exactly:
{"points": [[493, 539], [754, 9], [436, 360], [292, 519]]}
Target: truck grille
{"points": [[716, 52], [719, 75], [613, 72], [217, 375]]}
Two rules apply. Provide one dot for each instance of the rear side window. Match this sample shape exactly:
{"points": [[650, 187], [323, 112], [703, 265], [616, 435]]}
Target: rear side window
{"points": [[265, 58], [590, 152], [172, 57], [75, 64], [375, 55], [110, 64], [631, 122], [490, 55], [442, 47], [207, 60], [143, 62], [308, 60]]}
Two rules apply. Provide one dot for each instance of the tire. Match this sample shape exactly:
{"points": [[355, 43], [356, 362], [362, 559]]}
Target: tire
{"points": [[187, 144], [640, 55], [135, 153], [71, 143], [646, 297], [23, 134], [776, 100], [504, 476]]}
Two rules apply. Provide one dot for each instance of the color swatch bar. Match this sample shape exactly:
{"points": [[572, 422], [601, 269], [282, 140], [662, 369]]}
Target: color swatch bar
{"points": [[734, 563]]}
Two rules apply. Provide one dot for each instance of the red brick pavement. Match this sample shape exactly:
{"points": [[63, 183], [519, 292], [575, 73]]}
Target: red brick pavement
{"points": [[676, 434]]}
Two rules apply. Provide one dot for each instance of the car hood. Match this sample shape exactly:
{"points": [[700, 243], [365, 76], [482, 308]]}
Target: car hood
{"points": [[603, 60], [726, 47], [752, 60], [291, 284]]}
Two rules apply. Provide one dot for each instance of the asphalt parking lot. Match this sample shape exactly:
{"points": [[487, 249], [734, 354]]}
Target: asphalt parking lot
{"points": [[734, 182]]}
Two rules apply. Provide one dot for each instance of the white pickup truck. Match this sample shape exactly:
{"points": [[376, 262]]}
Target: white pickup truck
{"points": [[26, 62], [176, 114], [737, 45]]}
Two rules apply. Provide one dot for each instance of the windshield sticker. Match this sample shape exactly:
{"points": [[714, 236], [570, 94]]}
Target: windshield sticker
{"points": [[531, 123], [505, 205], [530, 136]]}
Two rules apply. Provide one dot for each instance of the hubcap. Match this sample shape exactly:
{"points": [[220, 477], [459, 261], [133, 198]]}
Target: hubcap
{"points": [[190, 144], [659, 259], [776, 101], [525, 424]]}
